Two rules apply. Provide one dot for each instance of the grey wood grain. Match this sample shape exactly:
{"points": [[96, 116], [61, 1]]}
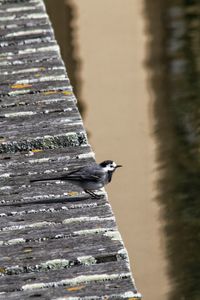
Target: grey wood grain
{"points": [[114, 289]]}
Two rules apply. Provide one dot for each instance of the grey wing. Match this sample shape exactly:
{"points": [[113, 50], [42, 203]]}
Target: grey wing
{"points": [[92, 173]]}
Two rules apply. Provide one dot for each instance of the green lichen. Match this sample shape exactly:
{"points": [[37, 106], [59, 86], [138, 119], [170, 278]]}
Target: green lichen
{"points": [[55, 264], [72, 139]]}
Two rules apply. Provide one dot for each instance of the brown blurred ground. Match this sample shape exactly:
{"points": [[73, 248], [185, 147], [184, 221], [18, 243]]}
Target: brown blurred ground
{"points": [[112, 44]]}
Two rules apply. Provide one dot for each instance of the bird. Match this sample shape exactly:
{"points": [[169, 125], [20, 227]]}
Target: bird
{"points": [[89, 177]]}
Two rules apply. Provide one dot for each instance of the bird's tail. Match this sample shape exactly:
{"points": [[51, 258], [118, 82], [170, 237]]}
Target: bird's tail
{"points": [[45, 179]]}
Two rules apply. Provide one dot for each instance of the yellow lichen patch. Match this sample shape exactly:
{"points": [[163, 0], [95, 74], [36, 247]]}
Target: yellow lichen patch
{"points": [[2, 139], [75, 288], [20, 86], [27, 250], [57, 92], [37, 75], [73, 193], [36, 150], [50, 92], [42, 69], [67, 92], [2, 270]]}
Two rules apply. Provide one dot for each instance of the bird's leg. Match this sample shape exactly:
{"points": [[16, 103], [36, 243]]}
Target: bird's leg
{"points": [[94, 196]]}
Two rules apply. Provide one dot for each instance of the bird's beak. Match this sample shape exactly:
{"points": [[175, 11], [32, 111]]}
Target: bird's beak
{"points": [[118, 166]]}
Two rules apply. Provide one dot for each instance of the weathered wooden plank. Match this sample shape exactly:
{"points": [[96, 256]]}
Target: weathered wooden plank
{"points": [[58, 87], [33, 59], [33, 256], [46, 142], [53, 236], [20, 28], [71, 138], [29, 159], [30, 163], [12, 122], [29, 77], [53, 216], [28, 47], [85, 205], [23, 110], [23, 33], [20, 24], [81, 226], [34, 71], [35, 12], [32, 39], [97, 214], [80, 273], [16, 3], [114, 289]]}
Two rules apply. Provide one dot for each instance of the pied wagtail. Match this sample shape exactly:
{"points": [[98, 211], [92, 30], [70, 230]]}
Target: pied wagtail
{"points": [[90, 177]]}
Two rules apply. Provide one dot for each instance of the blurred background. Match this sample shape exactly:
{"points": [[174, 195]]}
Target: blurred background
{"points": [[134, 66]]}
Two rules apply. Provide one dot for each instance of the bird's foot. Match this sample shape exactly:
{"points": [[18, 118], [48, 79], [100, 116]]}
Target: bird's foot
{"points": [[94, 196]]}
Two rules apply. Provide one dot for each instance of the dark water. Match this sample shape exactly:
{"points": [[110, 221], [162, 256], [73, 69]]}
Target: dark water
{"points": [[174, 65]]}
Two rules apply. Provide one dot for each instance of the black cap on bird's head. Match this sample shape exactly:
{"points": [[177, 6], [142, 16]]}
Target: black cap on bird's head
{"points": [[110, 165]]}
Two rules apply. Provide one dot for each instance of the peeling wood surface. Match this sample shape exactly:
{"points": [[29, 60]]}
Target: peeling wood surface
{"points": [[55, 241]]}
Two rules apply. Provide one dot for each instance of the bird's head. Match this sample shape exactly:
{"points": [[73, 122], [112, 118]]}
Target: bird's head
{"points": [[109, 165]]}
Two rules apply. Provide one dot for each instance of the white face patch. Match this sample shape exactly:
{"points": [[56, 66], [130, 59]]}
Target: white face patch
{"points": [[110, 167]]}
